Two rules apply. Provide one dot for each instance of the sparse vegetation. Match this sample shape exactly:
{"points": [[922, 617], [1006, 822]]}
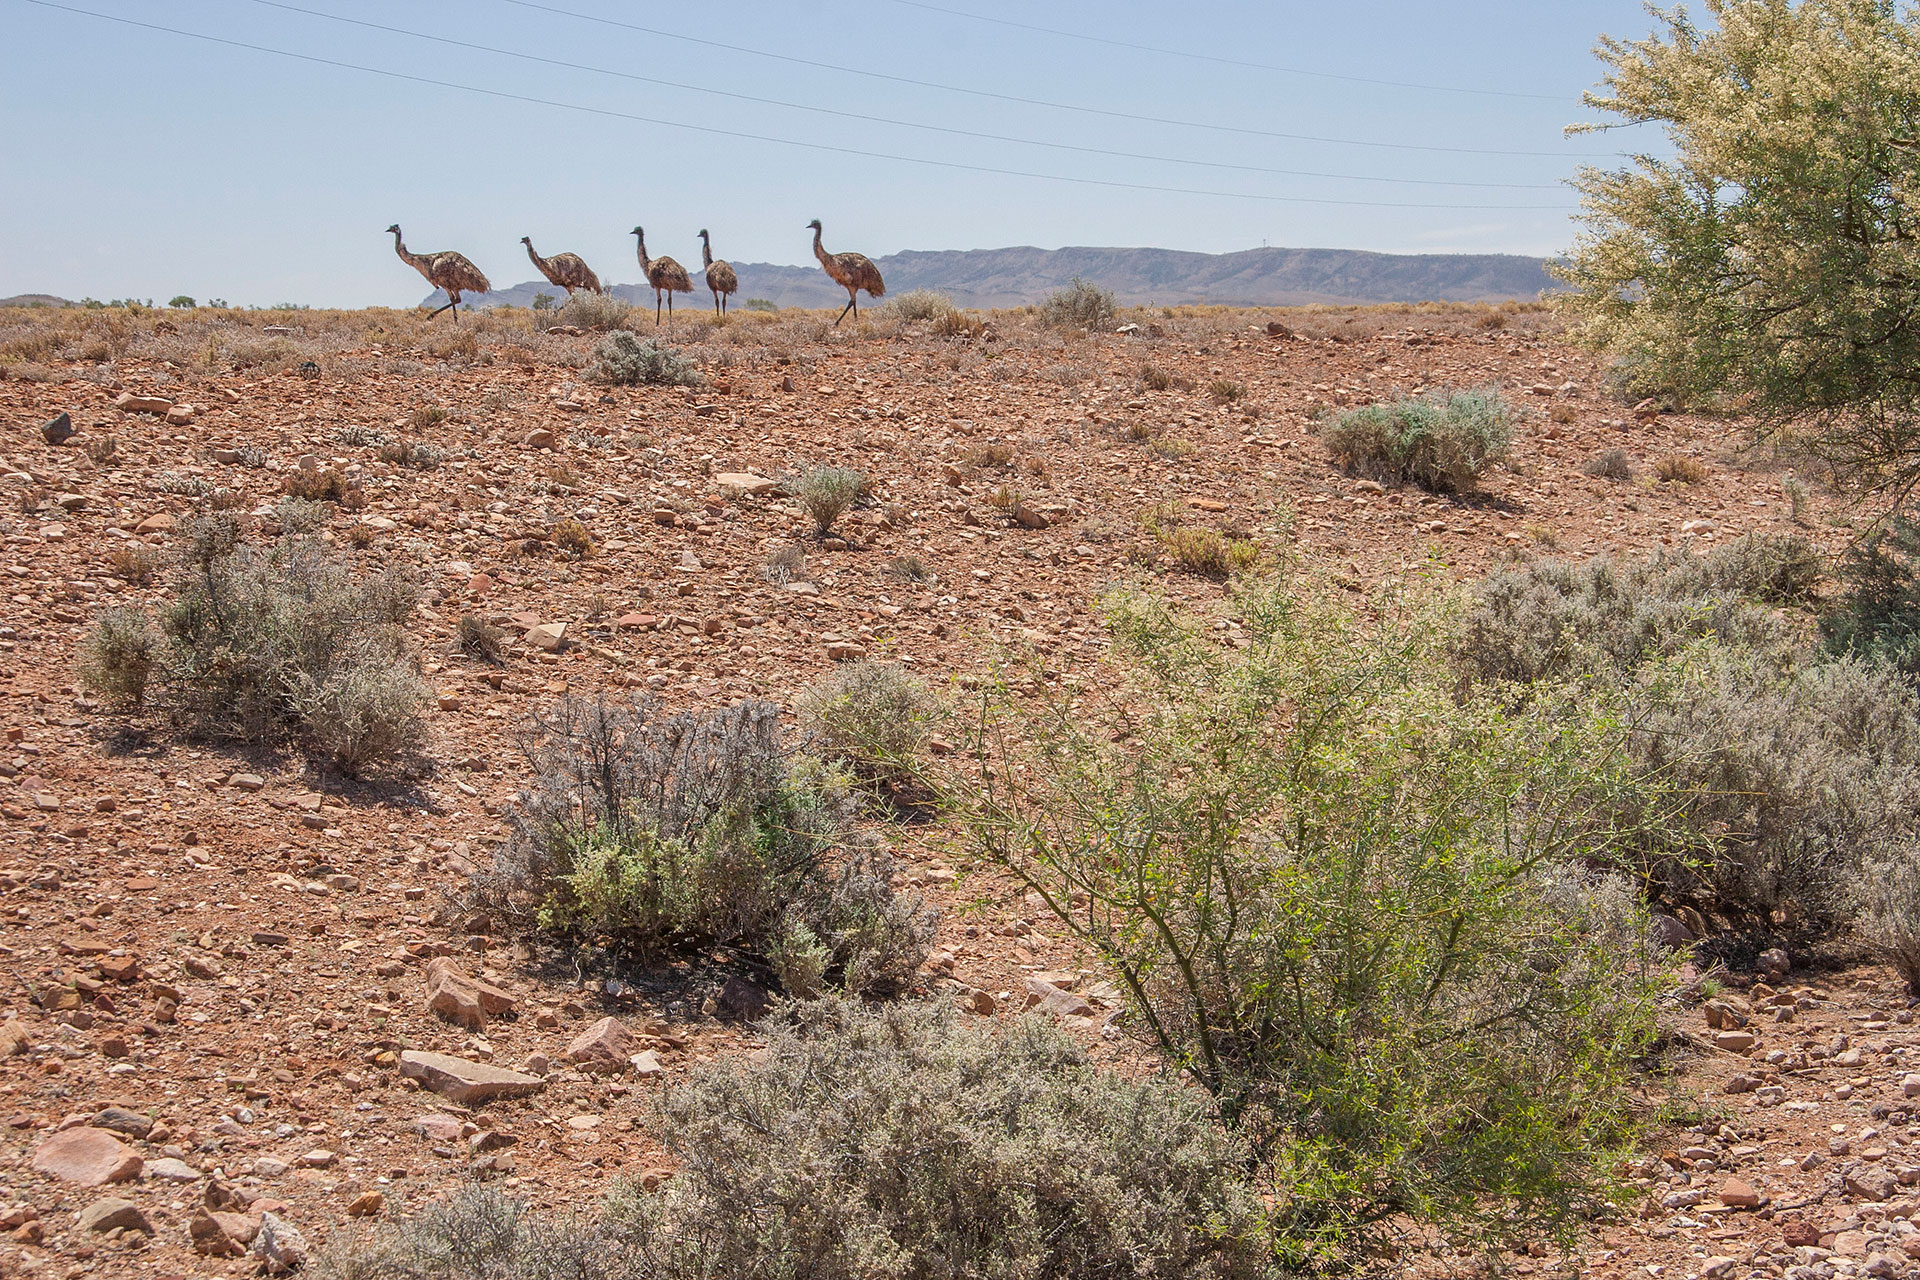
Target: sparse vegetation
{"points": [[134, 563], [410, 453], [479, 638], [1610, 464], [1442, 444], [624, 360], [825, 494], [571, 539], [872, 717], [1878, 614], [1081, 305], [853, 1147], [785, 563], [657, 834], [921, 304], [595, 312], [281, 638], [1227, 391], [323, 484], [1678, 468]]}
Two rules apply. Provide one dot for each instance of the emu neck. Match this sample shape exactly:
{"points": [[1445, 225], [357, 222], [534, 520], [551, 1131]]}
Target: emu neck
{"points": [[818, 252], [706, 252], [646, 263], [400, 248], [538, 261]]}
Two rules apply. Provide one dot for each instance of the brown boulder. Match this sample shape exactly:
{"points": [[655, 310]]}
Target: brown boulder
{"points": [[461, 998], [603, 1047]]}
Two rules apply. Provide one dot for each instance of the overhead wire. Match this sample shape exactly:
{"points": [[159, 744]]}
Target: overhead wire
{"points": [[970, 91], [887, 120], [609, 113], [1160, 51]]}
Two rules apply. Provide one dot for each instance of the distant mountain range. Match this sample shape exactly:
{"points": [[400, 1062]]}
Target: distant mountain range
{"points": [[1018, 276]]}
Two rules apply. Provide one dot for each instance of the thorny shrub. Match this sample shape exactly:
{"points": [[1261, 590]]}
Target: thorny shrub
{"points": [[656, 834], [597, 312], [1347, 901], [1081, 305], [921, 304], [1439, 444]]}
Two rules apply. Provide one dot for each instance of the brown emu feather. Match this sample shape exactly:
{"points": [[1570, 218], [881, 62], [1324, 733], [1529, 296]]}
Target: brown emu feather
{"points": [[853, 272], [720, 276], [453, 273], [568, 270], [664, 274]]}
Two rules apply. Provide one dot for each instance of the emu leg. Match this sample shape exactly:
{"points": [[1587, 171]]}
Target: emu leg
{"points": [[437, 310], [843, 312]]}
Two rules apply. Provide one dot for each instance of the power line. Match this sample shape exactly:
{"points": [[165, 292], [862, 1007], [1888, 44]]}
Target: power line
{"points": [[756, 137], [1229, 62], [1042, 102], [886, 120]]}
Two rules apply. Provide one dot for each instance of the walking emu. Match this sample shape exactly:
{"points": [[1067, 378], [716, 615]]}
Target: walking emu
{"points": [[449, 271], [853, 272], [568, 270], [720, 276], [665, 275]]}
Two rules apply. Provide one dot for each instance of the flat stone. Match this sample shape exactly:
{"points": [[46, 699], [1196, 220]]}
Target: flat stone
{"points": [[603, 1047], [15, 1039], [167, 1169], [462, 1081], [745, 482], [221, 1235], [120, 1120], [88, 1157], [113, 1214], [57, 431], [1738, 1194], [646, 1064], [1734, 1041], [127, 402], [247, 781], [1872, 1183], [278, 1245], [438, 1126]]}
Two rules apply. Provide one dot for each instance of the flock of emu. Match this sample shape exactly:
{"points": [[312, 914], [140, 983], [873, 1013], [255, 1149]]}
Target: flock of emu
{"points": [[454, 273]]}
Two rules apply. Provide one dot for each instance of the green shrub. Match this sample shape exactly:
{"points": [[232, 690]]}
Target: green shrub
{"points": [[1340, 894], [117, 658], [302, 515], [1549, 619], [921, 304], [1438, 444], [1889, 902], [1879, 610], [825, 493], [1208, 552], [870, 716], [659, 834], [283, 638], [891, 1142], [624, 360], [1081, 305]]}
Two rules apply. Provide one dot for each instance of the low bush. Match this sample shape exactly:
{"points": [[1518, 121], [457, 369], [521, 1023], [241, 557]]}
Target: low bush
{"points": [[479, 638], [1344, 895], [1439, 444], [134, 562], [302, 515], [323, 484], [1550, 619], [1081, 305], [623, 360], [596, 312], [872, 717], [785, 563], [1227, 391], [1678, 468], [1888, 897], [657, 834], [825, 494], [1878, 613], [888, 1142], [1610, 464], [117, 657], [410, 453], [1776, 787], [283, 638], [571, 539], [1196, 549], [921, 304]]}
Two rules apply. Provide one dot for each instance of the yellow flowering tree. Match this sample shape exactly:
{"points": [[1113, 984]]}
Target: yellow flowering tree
{"points": [[1771, 264]]}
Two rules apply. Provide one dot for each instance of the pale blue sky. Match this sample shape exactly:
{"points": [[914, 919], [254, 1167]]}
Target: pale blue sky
{"points": [[134, 162]]}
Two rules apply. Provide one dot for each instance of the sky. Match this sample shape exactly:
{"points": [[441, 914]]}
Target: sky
{"points": [[138, 162]]}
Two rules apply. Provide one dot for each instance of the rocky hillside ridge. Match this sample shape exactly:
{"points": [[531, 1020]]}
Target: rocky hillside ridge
{"points": [[1020, 275]]}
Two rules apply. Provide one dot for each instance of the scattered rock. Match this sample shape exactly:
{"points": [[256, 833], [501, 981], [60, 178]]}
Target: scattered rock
{"points": [[603, 1047], [168, 1169], [58, 431], [1872, 1182], [278, 1245], [741, 999], [646, 1064], [127, 402], [548, 635], [113, 1214], [87, 1157], [1738, 1194], [367, 1204], [221, 1235], [1734, 1041], [15, 1039], [1061, 1004], [463, 1081], [120, 1120]]}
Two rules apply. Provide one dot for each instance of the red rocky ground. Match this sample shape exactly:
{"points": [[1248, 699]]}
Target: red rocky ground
{"points": [[215, 956]]}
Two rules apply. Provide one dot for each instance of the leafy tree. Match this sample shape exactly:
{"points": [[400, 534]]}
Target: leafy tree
{"points": [[1772, 263], [182, 301]]}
